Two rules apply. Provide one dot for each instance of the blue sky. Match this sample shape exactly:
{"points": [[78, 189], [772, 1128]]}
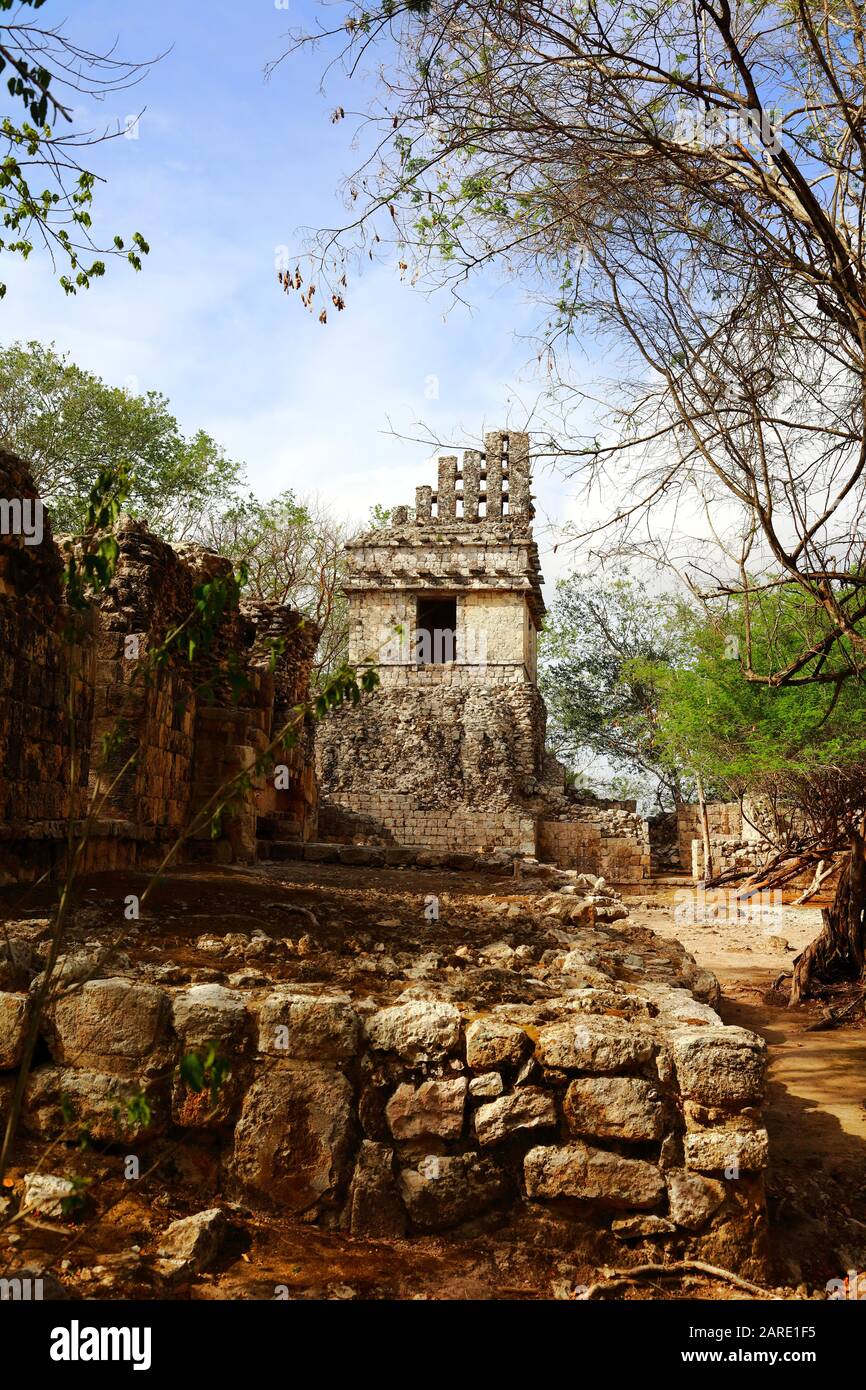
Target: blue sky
{"points": [[225, 170]]}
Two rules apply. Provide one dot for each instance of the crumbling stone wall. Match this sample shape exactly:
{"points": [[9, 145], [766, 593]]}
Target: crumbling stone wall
{"points": [[152, 590], [612, 843], [724, 819], [729, 852], [449, 751], [597, 1086], [46, 692], [736, 838], [175, 735]]}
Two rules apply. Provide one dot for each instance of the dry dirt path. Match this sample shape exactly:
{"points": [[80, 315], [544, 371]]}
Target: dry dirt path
{"points": [[816, 1108]]}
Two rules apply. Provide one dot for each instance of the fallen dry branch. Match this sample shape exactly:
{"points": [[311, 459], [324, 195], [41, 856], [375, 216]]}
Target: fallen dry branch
{"points": [[730, 874], [833, 1017], [754, 879], [821, 876], [618, 1278], [779, 868], [783, 875]]}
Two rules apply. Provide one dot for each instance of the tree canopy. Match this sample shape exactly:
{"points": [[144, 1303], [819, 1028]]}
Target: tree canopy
{"points": [[292, 550], [69, 426], [803, 747], [651, 685], [72, 429], [685, 181], [601, 704]]}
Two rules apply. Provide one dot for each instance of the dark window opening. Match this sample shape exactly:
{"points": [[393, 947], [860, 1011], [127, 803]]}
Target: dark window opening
{"points": [[436, 631]]}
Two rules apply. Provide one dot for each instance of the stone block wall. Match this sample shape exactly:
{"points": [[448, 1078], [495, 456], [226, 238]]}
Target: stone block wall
{"points": [[151, 589], [439, 764], [85, 722], [729, 852], [611, 843], [570, 844], [735, 843], [724, 819], [615, 1099], [46, 693]]}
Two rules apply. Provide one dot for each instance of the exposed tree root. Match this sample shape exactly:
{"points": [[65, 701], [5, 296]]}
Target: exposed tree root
{"points": [[838, 949], [833, 1017], [621, 1278]]}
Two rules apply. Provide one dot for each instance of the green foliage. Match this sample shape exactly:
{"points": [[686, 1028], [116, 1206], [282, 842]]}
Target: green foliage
{"points": [[73, 1205], [138, 1111], [344, 685], [207, 1071], [59, 214], [601, 705], [742, 733], [71, 427], [657, 688], [91, 559], [212, 599]]}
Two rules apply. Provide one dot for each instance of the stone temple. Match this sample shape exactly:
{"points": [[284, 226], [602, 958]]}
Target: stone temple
{"points": [[449, 752]]}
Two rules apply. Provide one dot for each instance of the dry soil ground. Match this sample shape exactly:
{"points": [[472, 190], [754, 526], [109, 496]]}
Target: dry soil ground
{"points": [[816, 1110]]}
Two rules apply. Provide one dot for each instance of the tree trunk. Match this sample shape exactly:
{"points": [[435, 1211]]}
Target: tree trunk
{"points": [[837, 953], [705, 828]]}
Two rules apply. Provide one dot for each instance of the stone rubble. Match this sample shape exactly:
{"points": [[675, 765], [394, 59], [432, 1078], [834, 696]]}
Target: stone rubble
{"points": [[579, 1075]]}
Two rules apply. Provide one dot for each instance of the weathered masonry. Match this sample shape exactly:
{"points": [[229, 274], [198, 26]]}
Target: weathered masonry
{"points": [[446, 602], [177, 739]]}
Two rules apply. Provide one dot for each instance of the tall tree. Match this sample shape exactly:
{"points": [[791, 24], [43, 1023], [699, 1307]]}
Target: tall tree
{"points": [[70, 426], [292, 549], [799, 750], [685, 179], [601, 646]]}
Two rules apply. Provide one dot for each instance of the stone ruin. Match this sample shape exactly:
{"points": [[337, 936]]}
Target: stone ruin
{"points": [[58, 701], [560, 1066], [449, 753], [575, 1088]]}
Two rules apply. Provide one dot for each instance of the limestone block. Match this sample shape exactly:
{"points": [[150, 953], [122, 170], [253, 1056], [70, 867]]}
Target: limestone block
{"points": [[693, 1200], [714, 1151], [14, 1013], [374, 1208], [421, 1030], [446, 1191], [596, 1175], [112, 1026], [616, 1107], [191, 1245], [596, 1045], [210, 1013], [720, 1066], [314, 1028], [433, 1108], [61, 1101], [528, 1108], [293, 1141], [491, 1043]]}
